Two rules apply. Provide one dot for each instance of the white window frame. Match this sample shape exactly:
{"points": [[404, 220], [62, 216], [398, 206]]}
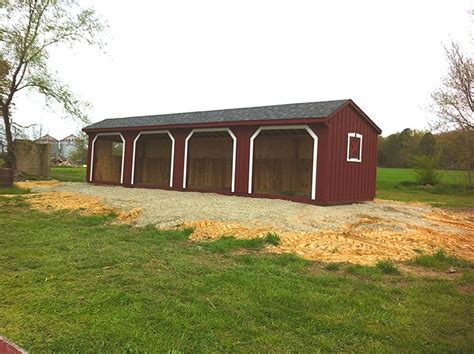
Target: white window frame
{"points": [[208, 130], [151, 132], [286, 127], [91, 172], [357, 136]]}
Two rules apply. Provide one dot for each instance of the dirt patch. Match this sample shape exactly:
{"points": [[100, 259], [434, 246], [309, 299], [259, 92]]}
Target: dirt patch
{"points": [[127, 217], [359, 233], [462, 219], [430, 273], [364, 242], [84, 204], [467, 289], [205, 230], [88, 205]]}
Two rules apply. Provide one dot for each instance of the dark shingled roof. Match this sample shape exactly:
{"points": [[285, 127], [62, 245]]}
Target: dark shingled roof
{"points": [[285, 111]]}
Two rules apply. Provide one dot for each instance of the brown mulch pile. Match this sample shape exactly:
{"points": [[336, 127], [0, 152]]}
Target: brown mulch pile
{"points": [[32, 184], [84, 204]]}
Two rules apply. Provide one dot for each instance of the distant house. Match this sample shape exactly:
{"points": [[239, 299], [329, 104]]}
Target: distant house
{"points": [[67, 146], [48, 139]]}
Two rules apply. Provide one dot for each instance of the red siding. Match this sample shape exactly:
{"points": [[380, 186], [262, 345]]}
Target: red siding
{"points": [[180, 139], [350, 181], [127, 169], [243, 135], [321, 132], [338, 181]]}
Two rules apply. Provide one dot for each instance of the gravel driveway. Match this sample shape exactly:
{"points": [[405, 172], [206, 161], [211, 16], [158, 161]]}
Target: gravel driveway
{"points": [[170, 208]]}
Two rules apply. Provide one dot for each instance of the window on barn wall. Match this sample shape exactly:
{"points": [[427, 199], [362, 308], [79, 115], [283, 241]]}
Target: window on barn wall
{"points": [[354, 147]]}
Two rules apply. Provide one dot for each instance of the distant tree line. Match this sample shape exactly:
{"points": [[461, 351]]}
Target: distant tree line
{"points": [[412, 148]]}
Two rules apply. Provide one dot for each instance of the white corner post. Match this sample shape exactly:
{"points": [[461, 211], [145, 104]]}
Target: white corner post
{"points": [[91, 170], [208, 130], [135, 152], [286, 127]]}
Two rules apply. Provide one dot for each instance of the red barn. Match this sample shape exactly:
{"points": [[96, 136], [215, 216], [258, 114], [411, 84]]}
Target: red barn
{"points": [[317, 152]]}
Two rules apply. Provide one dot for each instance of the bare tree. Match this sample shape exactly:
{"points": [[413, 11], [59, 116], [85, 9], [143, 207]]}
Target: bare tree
{"points": [[28, 29], [454, 102]]}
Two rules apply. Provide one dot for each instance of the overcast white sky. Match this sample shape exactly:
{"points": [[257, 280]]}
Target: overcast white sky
{"points": [[178, 56]]}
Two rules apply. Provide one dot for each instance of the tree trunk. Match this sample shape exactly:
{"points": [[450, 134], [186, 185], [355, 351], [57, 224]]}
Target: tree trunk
{"points": [[469, 174], [10, 160], [470, 156]]}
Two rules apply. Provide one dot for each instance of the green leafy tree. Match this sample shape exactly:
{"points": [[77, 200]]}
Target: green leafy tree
{"points": [[426, 160], [427, 145], [28, 30], [396, 150], [79, 155], [454, 103], [426, 172]]}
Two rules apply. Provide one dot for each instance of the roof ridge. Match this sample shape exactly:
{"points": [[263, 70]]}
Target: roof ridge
{"points": [[287, 111], [229, 109]]}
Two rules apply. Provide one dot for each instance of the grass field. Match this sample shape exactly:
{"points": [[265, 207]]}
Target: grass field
{"points": [[71, 283], [69, 174], [392, 183], [399, 184]]}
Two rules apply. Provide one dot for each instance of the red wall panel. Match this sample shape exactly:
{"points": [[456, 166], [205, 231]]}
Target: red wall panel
{"points": [[180, 139], [127, 169], [351, 181], [243, 135]]}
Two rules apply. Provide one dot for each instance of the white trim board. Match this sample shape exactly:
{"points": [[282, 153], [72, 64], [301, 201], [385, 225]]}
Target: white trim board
{"points": [[135, 151], [358, 136], [208, 130], [286, 127], [91, 172]]}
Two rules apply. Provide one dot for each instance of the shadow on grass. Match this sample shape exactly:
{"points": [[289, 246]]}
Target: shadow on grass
{"points": [[228, 243], [385, 267], [288, 261], [14, 191]]}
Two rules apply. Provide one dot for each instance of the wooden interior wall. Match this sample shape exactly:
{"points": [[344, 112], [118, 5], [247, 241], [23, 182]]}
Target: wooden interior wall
{"points": [[210, 161], [107, 161], [153, 160], [283, 163]]}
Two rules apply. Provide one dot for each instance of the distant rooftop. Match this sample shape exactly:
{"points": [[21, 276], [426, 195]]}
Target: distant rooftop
{"points": [[47, 138], [70, 137]]}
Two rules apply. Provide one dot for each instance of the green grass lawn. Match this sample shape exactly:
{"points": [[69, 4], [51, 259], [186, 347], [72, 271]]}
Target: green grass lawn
{"points": [[68, 174], [71, 283], [388, 178], [399, 184]]}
